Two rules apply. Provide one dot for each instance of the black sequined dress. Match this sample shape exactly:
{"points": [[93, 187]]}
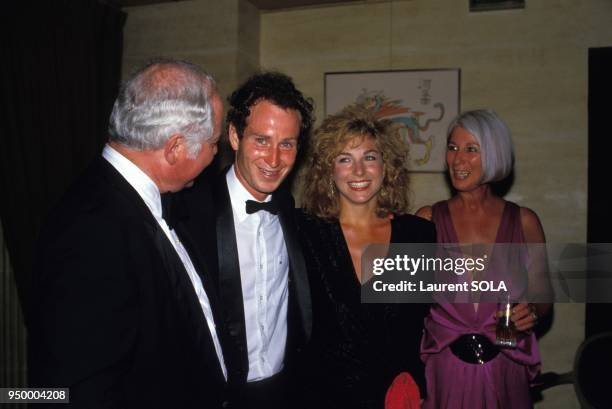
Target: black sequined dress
{"points": [[356, 349]]}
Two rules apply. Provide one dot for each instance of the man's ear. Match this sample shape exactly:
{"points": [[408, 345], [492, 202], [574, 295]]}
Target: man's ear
{"points": [[174, 148], [233, 137]]}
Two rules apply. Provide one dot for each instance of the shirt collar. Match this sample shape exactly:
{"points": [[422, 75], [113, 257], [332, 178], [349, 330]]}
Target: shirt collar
{"points": [[140, 181], [239, 194]]}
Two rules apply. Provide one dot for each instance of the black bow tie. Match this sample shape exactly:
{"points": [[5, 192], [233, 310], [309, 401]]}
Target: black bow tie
{"points": [[252, 206], [168, 211]]}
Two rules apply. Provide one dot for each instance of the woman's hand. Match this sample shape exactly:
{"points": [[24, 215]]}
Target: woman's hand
{"points": [[524, 316]]}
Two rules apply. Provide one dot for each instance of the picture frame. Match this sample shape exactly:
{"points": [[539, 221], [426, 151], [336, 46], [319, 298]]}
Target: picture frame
{"points": [[487, 5], [421, 104]]}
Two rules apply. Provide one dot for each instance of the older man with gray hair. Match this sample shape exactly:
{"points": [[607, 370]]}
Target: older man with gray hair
{"points": [[122, 308]]}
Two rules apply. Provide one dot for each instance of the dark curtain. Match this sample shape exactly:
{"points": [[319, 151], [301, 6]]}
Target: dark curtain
{"points": [[60, 71], [599, 226]]}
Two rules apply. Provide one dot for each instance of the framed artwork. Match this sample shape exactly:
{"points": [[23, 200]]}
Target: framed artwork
{"points": [[421, 104], [484, 5]]}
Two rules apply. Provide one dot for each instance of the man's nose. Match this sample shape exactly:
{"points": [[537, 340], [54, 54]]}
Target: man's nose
{"points": [[273, 159]]}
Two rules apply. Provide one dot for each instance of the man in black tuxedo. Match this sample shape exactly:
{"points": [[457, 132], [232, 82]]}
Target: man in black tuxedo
{"points": [[262, 281], [122, 303]]}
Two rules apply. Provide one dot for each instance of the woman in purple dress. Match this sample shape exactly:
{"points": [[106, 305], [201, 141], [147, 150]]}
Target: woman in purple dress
{"points": [[480, 152]]}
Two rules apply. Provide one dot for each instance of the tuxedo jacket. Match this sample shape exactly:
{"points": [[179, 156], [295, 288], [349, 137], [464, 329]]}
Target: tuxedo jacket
{"points": [[216, 231], [114, 315]]}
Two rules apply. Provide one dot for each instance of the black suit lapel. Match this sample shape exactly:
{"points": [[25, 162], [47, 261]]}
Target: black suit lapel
{"points": [[299, 286], [122, 187], [197, 224], [185, 295], [202, 268], [230, 285], [182, 287]]}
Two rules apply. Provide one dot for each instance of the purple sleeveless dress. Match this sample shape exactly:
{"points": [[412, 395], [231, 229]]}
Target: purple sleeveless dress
{"points": [[503, 382]]}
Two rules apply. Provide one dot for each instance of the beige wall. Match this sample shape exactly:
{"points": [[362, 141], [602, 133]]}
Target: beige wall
{"points": [[529, 65], [221, 36]]}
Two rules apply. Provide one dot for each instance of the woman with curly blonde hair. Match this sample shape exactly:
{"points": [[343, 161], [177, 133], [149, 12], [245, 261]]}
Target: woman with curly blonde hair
{"points": [[356, 194], [355, 124]]}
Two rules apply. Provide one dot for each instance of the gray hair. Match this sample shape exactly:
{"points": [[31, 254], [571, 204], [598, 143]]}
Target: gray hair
{"points": [[493, 136], [161, 99]]}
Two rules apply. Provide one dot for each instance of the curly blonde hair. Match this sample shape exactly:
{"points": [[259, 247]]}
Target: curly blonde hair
{"points": [[320, 195]]}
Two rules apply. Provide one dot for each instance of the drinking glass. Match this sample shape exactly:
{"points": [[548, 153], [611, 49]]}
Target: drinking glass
{"points": [[505, 331]]}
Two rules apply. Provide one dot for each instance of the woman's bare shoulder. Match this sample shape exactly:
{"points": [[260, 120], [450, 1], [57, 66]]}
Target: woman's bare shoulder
{"points": [[424, 212], [532, 227]]}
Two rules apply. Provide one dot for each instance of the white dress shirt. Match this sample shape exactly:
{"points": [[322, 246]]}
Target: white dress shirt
{"points": [[149, 192], [264, 271]]}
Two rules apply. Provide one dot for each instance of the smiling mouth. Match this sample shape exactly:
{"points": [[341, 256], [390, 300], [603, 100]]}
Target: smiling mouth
{"points": [[461, 174], [269, 173], [359, 185]]}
